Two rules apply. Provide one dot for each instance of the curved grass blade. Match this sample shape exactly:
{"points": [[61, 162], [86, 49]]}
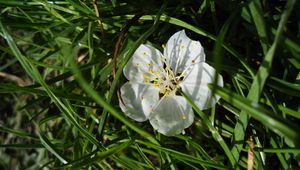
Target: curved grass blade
{"points": [[272, 121], [51, 148], [200, 31], [145, 158], [259, 82], [213, 131], [34, 73], [292, 89], [126, 59], [182, 156], [17, 132], [87, 160], [101, 101]]}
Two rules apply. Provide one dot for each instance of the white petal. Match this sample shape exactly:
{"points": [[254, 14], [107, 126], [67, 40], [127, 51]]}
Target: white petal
{"points": [[172, 115], [138, 100], [181, 52], [146, 59], [195, 85]]}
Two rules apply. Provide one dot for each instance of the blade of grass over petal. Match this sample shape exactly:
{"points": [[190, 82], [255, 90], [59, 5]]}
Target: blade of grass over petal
{"points": [[125, 60], [101, 101], [213, 131]]}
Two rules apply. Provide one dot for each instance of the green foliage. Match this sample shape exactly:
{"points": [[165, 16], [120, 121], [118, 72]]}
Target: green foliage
{"points": [[59, 103]]}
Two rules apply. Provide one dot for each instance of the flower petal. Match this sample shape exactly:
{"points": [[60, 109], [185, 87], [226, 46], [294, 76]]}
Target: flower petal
{"points": [[172, 115], [181, 52], [195, 85], [138, 100], [142, 64]]}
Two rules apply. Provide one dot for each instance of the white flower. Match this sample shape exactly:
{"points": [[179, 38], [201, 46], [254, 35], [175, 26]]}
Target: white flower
{"points": [[154, 81]]}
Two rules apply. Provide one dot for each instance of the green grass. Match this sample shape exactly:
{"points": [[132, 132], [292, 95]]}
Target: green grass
{"points": [[59, 105]]}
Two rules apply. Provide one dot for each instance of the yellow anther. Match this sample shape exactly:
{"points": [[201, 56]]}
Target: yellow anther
{"points": [[151, 71], [183, 117], [148, 64], [142, 98], [154, 80], [163, 46], [156, 85], [182, 46], [146, 76], [167, 68]]}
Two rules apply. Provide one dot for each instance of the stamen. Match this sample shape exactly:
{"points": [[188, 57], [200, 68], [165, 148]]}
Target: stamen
{"points": [[156, 85], [164, 66], [178, 91], [173, 81], [145, 75], [168, 88], [160, 95], [182, 46], [151, 71], [178, 74]]}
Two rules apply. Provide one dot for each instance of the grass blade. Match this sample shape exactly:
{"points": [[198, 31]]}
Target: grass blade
{"points": [[269, 119], [259, 82]]}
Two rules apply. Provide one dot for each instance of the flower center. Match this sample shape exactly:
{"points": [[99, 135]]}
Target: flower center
{"points": [[165, 79]]}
